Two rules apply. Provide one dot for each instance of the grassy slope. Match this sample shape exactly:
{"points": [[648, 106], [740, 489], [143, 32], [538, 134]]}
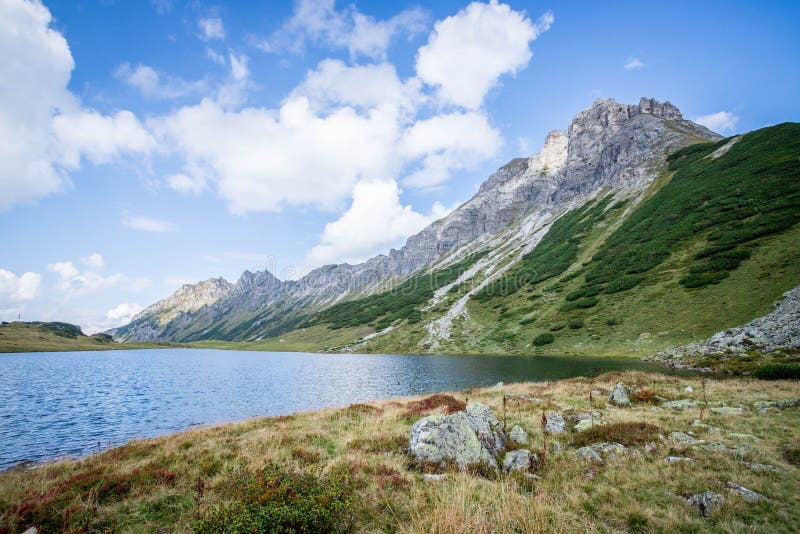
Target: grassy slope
{"points": [[33, 337], [755, 185], [169, 482]]}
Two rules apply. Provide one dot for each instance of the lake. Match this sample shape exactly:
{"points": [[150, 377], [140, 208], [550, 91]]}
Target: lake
{"points": [[72, 403]]}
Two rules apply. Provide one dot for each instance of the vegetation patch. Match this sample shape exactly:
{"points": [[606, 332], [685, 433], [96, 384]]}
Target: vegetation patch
{"points": [[777, 371], [380, 444], [447, 403], [543, 339], [626, 433], [273, 499]]}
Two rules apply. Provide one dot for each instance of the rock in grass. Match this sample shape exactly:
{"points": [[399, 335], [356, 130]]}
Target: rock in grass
{"points": [[763, 467], [748, 494], [519, 460], [619, 396], [555, 423], [685, 440], [728, 410], [677, 459], [586, 424], [518, 436], [682, 404], [433, 478], [706, 502], [589, 455], [469, 438]]}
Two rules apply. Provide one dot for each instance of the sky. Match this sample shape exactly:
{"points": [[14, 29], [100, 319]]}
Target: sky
{"points": [[145, 144]]}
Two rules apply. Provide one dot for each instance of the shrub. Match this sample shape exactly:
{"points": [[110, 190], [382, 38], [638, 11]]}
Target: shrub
{"points": [[527, 321], [612, 321], [791, 453], [575, 324], [275, 500], [628, 434], [582, 304], [543, 339], [777, 371], [644, 396], [557, 327]]}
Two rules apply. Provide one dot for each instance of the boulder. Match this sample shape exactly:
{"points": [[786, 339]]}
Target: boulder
{"points": [[589, 455], [463, 439], [619, 395], [586, 424], [518, 460], [682, 404], [677, 459], [518, 435], [727, 410], [555, 423]]}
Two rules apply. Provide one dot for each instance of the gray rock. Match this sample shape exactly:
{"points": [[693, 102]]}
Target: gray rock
{"points": [[707, 428], [585, 424], [605, 448], [715, 446], [748, 494], [685, 440], [518, 435], [619, 396], [688, 389], [706, 502], [682, 404], [555, 423], [728, 410], [471, 437], [743, 437], [763, 467], [677, 459], [518, 460], [589, 455], [433, 478]]}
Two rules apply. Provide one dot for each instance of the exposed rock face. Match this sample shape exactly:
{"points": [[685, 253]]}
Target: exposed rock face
{"points": [[609, 146], [777, 331], [463, 439]]}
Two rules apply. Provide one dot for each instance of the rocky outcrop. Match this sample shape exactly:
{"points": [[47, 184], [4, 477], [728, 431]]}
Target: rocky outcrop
{"points": [[473, 437], [775, 332]]}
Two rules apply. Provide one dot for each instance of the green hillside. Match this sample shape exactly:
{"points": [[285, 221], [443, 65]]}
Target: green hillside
{"points": [[20, 336], [714, 243]]}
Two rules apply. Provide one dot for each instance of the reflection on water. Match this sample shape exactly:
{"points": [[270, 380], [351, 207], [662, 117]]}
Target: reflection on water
{"points": [[64, 403]]}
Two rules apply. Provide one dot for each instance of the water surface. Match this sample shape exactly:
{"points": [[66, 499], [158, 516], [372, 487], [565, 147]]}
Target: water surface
{"points": [[54, 404]]}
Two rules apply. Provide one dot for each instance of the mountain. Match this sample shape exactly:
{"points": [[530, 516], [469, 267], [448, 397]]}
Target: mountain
{"points": [[613, 223]]}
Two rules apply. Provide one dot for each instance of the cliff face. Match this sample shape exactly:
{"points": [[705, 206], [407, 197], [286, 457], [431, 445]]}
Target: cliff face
{"points": [[609, 146]]}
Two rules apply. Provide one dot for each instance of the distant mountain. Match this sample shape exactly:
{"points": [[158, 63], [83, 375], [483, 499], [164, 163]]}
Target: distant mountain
{"points": [[618, 205]]}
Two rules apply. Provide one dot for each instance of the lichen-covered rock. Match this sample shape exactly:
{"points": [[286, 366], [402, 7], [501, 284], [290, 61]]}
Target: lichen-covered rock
{"points": [[471, 437], [518, 435], [586, 424], [707, 502], [677, 459], [748, 494], [685, 440], [518, 460], [619, 396], [589, 455], [555, 423], [682, 404], [728, 410]]}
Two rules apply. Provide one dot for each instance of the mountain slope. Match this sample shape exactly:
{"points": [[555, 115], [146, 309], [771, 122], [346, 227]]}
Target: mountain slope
{"points": [[633, 230]]}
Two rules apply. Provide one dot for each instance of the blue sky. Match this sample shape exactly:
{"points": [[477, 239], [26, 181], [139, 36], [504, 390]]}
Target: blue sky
{"points": [[153, 143]]}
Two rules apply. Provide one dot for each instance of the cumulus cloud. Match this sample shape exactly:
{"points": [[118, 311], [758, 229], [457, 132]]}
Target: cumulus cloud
{"points": [[123, 313], [94, 261], [468, 52], [721, 121], [147, 224], [42, 124], [15, 289], [153, 84], [211, 28], [320, 22], [187, 185], [376, 219], [634, 63], [73, 281]]}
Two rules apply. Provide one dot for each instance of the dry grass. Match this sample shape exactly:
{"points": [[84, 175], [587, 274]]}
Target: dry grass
{"points": [[169, 482]]}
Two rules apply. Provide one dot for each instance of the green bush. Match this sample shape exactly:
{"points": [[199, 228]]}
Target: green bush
{"points": [[612, 321], [527, 321], [582, 304], [275, 500], [777, 371], [557, 327], [575, 324], [543, 339]]}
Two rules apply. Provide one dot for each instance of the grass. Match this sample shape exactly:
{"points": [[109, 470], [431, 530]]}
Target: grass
{"points": [[58, 337], [346, 467]]}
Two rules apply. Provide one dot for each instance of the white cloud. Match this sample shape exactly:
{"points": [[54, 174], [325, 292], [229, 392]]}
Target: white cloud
{"points": [[15, 289], [94, 261], [147, 224], [319, 21], [721, 121], [123, 313], [42, 124], [187, 185], [634, 63], [468, 52], [211, 28], [376, 220], [153, 84], [73, 281], [446, 143]]}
